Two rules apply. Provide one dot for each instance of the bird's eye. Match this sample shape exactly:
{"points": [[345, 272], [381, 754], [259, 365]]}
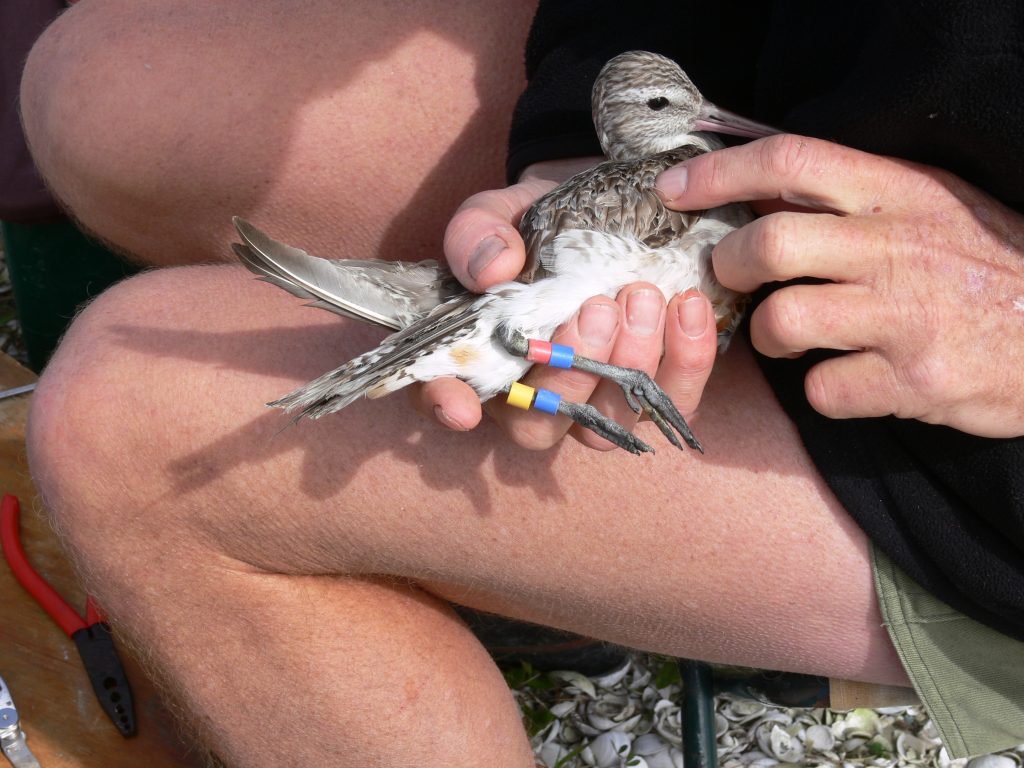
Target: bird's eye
{"points": [[660, 102]]}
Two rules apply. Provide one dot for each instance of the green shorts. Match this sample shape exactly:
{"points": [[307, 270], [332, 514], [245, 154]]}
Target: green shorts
{"points": [[969, 677]]}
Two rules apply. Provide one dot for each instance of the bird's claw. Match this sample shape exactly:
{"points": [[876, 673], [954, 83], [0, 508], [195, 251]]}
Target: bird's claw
{"points": [[640, 388], [589, 417]]}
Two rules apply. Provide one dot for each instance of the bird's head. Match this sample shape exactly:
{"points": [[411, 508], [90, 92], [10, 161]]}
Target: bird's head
{"points": [[643, 103]]}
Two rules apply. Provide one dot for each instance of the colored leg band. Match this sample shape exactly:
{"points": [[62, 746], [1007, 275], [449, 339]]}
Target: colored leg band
{"points": [[520, 396], [547, 401], [546, 353], [539, 351], [561, 356]]}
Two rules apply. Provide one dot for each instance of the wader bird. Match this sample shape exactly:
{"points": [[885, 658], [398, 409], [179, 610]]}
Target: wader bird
{"points": [[597, 232]]}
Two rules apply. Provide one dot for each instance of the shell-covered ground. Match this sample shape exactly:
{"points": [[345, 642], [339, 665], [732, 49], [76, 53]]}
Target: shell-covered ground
{"points": [[631, 717]]}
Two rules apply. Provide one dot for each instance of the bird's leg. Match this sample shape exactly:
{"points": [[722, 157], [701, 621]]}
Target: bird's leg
{"points": [[644, 396], [641, 391], [584, 414]]}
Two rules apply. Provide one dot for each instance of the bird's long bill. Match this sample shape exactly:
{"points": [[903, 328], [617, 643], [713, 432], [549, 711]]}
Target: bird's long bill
{"points": [[712, 118]]}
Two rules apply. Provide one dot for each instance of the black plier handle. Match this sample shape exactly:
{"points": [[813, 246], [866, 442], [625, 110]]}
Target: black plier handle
{"points": [[90, 633]]}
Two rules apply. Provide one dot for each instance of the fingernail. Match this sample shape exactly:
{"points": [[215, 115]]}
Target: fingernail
{"points": [[485, 252], [692, 317], [671, 184], [643, 311], [442, 416], [597, 323]]}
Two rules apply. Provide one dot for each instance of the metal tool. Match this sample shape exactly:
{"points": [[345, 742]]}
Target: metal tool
{"points": [[90, 633], [15, 391], [12, 738]]}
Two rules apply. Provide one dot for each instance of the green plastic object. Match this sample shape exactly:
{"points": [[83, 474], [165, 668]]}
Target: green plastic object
{"points": [[54, 270], [700, 748]]}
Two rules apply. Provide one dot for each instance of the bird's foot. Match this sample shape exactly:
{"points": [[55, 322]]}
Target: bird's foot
{"points": [[642, 394], [584, 414], [588, 417]]}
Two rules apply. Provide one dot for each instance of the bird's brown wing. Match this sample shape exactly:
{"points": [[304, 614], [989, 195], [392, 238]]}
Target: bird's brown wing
{"points": [[615, 197]]}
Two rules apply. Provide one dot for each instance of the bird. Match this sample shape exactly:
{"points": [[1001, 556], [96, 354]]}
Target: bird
{"points": [[597, 232]]}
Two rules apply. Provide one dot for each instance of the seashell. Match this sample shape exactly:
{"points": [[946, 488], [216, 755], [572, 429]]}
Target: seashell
{"points": [[754, 754], [913, 749], [610, 710], [640, 680], [570, 733], [721, 725], [613, 678], [576, 680], [762, 732], [652, 696], [609, 748], [742, 710], [854, 743], [668, 723], [551, 753], [549, 732], [994, 761], [587, 729], [863, 720], [785, 746], [563, 708], [763, 762], [649, 744], [819, 738], [664, 759]]}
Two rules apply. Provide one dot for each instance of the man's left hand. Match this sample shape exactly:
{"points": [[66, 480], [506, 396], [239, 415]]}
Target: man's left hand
{"points": [[926, 278]]}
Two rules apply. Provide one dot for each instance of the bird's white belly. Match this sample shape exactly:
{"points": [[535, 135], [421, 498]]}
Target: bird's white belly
{"points": [[583, 264]]}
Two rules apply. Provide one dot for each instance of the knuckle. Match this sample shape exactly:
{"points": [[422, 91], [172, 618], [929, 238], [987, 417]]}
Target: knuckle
{"points": [[784, 155], [927, 379], [707, 172], [772, 238], [780, 319]]}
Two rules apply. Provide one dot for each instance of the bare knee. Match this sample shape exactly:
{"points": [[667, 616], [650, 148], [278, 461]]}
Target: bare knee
{"points": [[88, 432], [155, 123]]}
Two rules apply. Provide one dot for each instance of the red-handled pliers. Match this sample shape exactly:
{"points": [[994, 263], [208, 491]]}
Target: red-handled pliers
{"points": [[91, 634]]}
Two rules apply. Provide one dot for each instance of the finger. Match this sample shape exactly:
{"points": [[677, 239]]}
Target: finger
{"points": [[796, 169], [638, 345], [786, 245], [591, 333], [857, 385], [481, 243], [797, 318], [691, 343], [452, 402]]}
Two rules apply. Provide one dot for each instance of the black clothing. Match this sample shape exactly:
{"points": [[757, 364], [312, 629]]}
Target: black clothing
{"points": [[940, 83]]}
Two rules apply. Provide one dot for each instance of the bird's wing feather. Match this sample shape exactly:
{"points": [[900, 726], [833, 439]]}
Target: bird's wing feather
{"points": [[380, 370], [391, 294], [616, 197]]}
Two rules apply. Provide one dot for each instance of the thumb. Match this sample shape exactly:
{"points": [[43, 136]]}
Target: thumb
{"points": [[481, 243]]}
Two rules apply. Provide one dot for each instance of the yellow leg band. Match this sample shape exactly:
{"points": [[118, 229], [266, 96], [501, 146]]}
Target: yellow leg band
{"points": [[520, 396]]}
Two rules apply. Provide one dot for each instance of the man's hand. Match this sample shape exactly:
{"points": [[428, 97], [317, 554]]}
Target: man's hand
{"points": [[483, 248], [926, 278]]}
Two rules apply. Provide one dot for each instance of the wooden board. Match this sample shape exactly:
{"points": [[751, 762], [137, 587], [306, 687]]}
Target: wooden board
{"points": [[63, 721]]}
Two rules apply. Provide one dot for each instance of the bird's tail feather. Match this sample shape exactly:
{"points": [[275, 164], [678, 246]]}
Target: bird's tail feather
{"points": [[391, 294], [385, 369], [341, 387]]}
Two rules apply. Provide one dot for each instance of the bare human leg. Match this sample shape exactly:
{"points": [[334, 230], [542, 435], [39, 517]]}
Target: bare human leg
{"points": [[310, 564], [307, 568], [353, 128]]}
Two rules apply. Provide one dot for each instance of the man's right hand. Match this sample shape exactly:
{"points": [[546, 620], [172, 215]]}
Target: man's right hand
{"points": [[676, 344]]}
